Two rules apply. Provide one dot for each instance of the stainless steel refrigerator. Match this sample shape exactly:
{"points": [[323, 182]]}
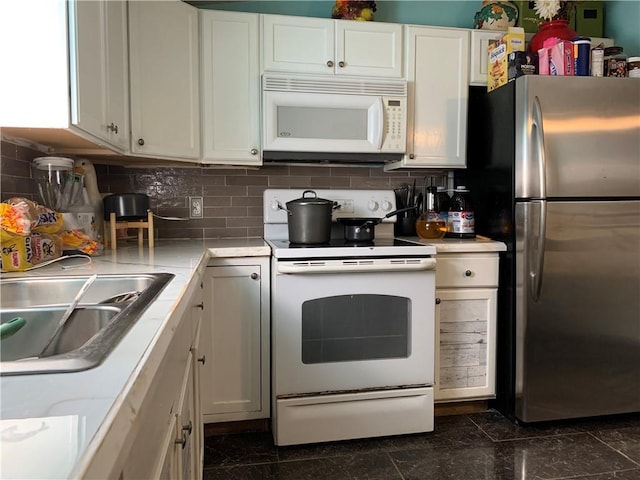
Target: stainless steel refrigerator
{"points": [[554, 172]]}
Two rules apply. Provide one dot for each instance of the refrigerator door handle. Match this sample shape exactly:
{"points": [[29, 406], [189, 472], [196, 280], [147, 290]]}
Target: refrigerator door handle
{"points": [[538, 254], [537, 136]]}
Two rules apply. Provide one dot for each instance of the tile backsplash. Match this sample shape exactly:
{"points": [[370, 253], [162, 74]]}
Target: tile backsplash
{"points": [[232, 197]]}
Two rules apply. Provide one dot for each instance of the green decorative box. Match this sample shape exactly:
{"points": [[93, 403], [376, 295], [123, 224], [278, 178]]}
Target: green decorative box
{"points": [[587, 19], [590, 19]]}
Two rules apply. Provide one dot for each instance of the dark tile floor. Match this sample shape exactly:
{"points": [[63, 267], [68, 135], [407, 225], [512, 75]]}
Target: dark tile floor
{"points": [[482, 446]]}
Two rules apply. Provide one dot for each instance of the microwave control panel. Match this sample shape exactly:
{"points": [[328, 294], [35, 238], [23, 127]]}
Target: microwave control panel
{"points": [[395, 130]]}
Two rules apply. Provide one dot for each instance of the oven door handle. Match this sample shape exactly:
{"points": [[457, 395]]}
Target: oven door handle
{"points": [[351, 266]]}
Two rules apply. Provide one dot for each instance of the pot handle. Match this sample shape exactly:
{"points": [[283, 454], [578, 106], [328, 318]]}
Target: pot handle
{"points": [[315, 195], [280, 207]]}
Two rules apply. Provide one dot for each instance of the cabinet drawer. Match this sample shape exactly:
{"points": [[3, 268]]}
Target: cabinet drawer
{"points": [[477, 270]]}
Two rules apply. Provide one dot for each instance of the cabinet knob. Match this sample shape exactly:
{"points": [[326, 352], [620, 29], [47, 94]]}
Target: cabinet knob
{"points": [[188, 428], [254, 151], [255, 276], [140, 141], [202, 359], [341, 64], [437, 301], [200, 306], [113, 128], [330, 64], [182, 440], [412, 156], [468, 273]]}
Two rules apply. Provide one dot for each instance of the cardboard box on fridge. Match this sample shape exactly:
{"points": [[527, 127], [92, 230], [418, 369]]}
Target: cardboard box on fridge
{"points": [[498, 52]]}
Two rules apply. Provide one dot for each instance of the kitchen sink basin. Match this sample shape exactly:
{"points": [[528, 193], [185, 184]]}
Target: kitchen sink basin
{"points": [[60, 290], [32, 308]]}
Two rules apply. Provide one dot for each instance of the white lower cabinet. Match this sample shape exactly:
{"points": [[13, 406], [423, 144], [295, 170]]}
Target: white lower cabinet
{"points": [[235, 340], [466, 295], [166, 439]]}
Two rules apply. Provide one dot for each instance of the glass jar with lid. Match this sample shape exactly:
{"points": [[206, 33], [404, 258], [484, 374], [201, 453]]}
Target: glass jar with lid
{"points": [[615, 62]]}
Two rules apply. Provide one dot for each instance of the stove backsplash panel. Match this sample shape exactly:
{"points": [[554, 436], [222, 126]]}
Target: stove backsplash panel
{"points": [[232, 197]]}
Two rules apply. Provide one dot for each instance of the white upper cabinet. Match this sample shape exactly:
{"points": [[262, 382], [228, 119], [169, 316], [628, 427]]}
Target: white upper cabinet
{"points": [[163, 50], [230, 87], [99, 70], [331, 47], [438, 90], [479, 55], [69, 77]]}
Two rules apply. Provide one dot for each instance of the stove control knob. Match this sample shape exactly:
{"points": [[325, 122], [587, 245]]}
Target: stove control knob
{"points": [[386, 205], [373, 205], [276, 205]]}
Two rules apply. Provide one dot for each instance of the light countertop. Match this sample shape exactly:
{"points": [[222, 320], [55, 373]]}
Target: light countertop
{"points": [[453, 245], [62, 419]]}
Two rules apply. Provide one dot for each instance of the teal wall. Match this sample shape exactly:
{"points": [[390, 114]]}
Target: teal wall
{"points": [[622, 17]]}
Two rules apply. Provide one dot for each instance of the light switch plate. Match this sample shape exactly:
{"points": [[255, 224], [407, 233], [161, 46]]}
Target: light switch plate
{"points": [[196, 207]]}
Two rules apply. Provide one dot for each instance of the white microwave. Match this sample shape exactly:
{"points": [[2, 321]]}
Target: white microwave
{"points": [[324, 114]]}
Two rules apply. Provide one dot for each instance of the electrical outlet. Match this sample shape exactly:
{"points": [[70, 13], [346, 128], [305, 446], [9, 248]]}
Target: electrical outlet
{"points": [[195, 207]]}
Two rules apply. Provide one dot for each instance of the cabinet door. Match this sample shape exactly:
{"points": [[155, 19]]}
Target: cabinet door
{"points": [[98, 70], [232, 336], [198, 359], [479, 55], [164, 79], [230, 88], [437, 67], [369, 49], [465, 344], [298, 44], [186, 419]]}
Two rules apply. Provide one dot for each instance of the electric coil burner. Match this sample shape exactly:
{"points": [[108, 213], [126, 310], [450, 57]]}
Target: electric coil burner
{"points": [[352, 327]]}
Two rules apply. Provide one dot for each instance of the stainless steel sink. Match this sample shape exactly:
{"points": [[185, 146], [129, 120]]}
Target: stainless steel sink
{"points": [[107, 311], [60, 290]]}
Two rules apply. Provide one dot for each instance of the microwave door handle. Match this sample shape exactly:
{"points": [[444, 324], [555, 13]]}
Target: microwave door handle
{"points": [[378, 118]]}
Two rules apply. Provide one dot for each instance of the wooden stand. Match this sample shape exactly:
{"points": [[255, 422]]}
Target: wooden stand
{"points": [[112, 225]]}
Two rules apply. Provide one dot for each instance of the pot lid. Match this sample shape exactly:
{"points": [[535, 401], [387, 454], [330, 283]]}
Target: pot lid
{"points": [[309, 200]]}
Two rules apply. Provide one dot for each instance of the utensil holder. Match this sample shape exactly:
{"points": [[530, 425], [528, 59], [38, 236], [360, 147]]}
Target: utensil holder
{"points": [[406, 225], [112, 225]]}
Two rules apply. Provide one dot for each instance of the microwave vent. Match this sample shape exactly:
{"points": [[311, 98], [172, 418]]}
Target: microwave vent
{"points": [[343, 85]]}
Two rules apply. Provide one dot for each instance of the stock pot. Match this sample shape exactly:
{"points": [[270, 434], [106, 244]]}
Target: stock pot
{"points": [[309, 218]]}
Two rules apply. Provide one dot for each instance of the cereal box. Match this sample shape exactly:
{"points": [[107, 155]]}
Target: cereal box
{"points": [[498, 65]]}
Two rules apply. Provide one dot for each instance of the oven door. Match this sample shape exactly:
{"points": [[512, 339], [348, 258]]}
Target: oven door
{"points": [[344, 332]]}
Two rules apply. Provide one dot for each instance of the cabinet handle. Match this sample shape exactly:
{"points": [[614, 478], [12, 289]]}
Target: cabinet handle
{"points": [[468, 273], [140, 141], [437, 301], [341, 64], [255, 276], [112, 128], [188, 428], [202, 359], [329, 64], [254, 151], [200, 306]]}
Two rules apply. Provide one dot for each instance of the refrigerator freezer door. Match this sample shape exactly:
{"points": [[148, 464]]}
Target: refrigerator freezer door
{"points": [[579, 135], [578, 344]]}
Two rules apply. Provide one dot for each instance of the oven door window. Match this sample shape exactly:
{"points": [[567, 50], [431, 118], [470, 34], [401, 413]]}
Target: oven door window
{"points": [[355, 327]]}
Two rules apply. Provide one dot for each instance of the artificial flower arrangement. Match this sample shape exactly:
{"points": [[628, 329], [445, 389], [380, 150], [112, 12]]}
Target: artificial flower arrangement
{"points": [[549, 10]]}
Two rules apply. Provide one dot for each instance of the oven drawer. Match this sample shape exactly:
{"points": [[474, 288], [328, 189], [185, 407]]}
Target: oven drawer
{"points": [[467, 270], [326, 418]]}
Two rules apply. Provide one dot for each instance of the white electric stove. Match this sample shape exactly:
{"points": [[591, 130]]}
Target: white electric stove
{"points": [[352, 326]]}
